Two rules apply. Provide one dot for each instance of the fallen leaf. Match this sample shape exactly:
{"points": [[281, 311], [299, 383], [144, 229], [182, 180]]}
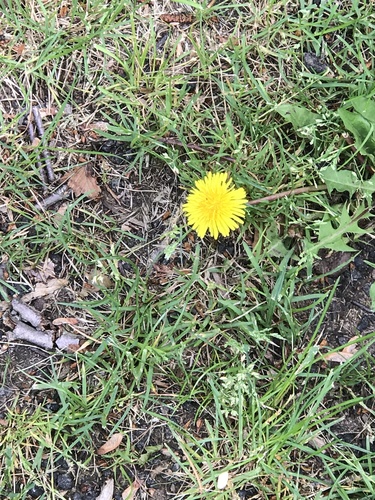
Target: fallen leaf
{"points": [[178, 17], [159, 469], [63, 11], [65, 321], [41, 273], [18, 49], [107, 490], [131, 491], [222, 480], [97, 126], [82, 182], [43, 289], [50, 111], [98, 279], [341, 356], [113, 442], [317, 443]]}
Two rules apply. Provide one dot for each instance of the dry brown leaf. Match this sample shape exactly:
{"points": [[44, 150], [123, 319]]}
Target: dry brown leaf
{"points": [[99, 280], [41, 273], [19, 49], [82, 182], [99, 125], [317, 443], [107, 490], [113, 442], [63, 11], [43, 289], [178, 17], [341, 356], [33, 145], [50, 111], [338, 357], [65, 321], [130, 492]]}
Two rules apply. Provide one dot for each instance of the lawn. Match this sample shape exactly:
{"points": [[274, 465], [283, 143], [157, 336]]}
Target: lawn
{"points": [[142, 359]]}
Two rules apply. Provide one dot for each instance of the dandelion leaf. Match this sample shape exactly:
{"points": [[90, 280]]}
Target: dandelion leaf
{"points": [[298, 116], [365, 107], [346, 180], [362, 130], [333, 233]]}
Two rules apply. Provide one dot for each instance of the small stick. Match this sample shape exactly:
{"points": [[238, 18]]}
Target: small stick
{"points": [[38, 162], [23, 331], [27, 312], [194, 147], [59, 195], [291, 192], [40, 128], [363, 307]]}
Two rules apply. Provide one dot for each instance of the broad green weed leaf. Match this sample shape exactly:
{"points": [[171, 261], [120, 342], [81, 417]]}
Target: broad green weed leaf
{"points": [[346, 180], [365, 107], [343, 180], [334, 238], [298, 116], [362, 130]]}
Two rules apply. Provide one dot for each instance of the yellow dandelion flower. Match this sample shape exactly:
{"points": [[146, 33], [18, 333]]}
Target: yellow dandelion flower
{"points": [[215, 205]]}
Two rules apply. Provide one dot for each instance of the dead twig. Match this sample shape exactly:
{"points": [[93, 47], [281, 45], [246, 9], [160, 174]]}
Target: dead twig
{"points": [[291, 192], [30, 129], [45, 153], [59, 195]]}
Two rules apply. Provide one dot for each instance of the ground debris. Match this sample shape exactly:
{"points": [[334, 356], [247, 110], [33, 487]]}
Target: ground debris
{"points": [[82, 182], [113, 442], [314, 63], [27, 312], [107, 490], [346, 353], [68, 342], [22, 331], [43, 289]]}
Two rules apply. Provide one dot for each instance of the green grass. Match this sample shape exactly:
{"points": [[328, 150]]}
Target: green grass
{"points": [[237, 334]]}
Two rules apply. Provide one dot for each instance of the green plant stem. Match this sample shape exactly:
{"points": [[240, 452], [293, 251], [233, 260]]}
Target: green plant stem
{"points": [[283, 194]]}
